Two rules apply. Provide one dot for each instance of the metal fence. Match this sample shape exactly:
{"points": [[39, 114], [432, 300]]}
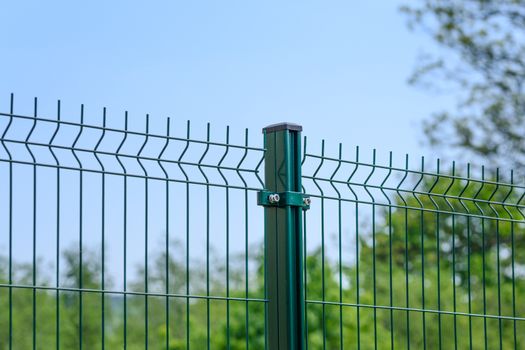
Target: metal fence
{"points": [[126, 233], [422, 258]]}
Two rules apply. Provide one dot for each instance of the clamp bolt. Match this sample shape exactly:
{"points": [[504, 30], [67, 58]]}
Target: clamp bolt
{"points": [[274, 198], [307, 201]]}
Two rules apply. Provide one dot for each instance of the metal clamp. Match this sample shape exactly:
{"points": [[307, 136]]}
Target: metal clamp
{"points": [[283, 199]]}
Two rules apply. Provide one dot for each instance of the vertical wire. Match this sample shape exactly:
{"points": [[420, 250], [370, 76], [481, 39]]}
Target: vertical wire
{"points": [[80, 229], [80, 225], [187, 265], [227, 267], [323, 286], [482, 214], [80, 244], [339, 242], [103, 236], [467, 213], [390, 249], [208, 251], [265, 255], [374, 279], [187, 234], [125, 234], [358, 340], [167, 242], [11, 111], [357, 257], [208, 334], [407, 291], [500, 324], [323, 266], [483, 267], [513, 271], [146, 239], [374, 271], [453, 217], [323, 291], [454, 263], [422, 223], [339, 229], [57, 276], [187, 239], [438, 256], [305, 257], [246, 223], [167, 236], [227, 222], [469, 278], [34, 220], [511, 185], [146, 233], [227, 195], [390, 257]]}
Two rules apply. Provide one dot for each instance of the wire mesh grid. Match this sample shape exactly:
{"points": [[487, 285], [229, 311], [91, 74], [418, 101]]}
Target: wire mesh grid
{"points": [[115, 233], [411, 256], [118, 235]]}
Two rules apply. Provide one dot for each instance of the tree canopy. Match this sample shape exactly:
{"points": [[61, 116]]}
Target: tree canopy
{"points": [[482, 62]]}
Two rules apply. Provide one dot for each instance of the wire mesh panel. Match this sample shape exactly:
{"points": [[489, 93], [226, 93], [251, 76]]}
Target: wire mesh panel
{"points": [[412, 256], [125, 232], [130, 233]]}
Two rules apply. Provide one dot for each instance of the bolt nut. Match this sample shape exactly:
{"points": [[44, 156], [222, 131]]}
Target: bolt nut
{"points": [[274, 198], [307, 201]]}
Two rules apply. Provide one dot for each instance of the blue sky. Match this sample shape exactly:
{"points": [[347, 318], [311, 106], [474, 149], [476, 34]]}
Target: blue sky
{"points": [[339, 68]]}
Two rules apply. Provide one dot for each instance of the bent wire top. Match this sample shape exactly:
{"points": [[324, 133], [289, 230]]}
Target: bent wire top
{"points": [[451, 191], [48, 142]]}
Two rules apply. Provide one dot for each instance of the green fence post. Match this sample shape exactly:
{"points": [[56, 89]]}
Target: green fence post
{"points": [[284, 202]]}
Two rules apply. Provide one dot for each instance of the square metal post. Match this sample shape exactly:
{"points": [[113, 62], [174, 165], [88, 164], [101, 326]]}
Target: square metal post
{"points": [[283, 235]]}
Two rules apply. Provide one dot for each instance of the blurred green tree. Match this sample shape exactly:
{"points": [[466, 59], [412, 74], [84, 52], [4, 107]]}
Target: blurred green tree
{"points": [[484, 58]]}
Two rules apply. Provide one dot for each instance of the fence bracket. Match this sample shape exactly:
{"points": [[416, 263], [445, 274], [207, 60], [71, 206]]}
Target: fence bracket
{"points": [[267, 198]]}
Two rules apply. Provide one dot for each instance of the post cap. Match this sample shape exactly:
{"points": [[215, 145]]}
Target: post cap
{"points": [[282, 126]]}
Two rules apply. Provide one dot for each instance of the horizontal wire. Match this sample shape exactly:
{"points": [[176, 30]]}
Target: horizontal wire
{"points": [[97, 152], [121, 292], [401, 308], [53, 166], [398, 206], [433, 194], [130, 132], [257, 189], [411, 171]]}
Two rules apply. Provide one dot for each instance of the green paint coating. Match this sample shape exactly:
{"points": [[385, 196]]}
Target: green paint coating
{"points": [[283, 230]]}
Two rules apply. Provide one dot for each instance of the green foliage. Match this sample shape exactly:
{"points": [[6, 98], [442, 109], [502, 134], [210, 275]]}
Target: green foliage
{"points": [[485, 46], [450, 260]]}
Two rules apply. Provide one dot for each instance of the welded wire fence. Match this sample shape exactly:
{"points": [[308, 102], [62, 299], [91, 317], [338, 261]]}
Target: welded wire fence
{"points": [[413, 256], [117, 232], [124, 232]]}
